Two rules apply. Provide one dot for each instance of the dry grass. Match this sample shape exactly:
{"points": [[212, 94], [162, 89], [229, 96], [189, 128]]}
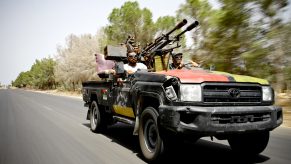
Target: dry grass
{"points": [[74, 94], [287, 118], [65, 93], [284, 100]]}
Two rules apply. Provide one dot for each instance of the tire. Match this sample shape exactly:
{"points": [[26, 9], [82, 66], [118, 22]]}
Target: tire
{"points": [[250, 144], [150, 141], [97, 122]]}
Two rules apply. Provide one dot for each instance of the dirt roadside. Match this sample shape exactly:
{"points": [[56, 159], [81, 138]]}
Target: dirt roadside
{"points": [[59, 93], [284, 100]]}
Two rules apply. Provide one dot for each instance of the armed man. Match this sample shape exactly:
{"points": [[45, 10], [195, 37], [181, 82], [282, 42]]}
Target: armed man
{"points": [[133, 51], [178, 62], [132, 65]]}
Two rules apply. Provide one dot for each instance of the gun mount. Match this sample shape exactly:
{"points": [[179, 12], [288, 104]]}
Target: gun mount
{"points": [[156, 48]]}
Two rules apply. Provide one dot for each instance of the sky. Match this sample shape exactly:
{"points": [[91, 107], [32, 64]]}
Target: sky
{"points": [[32, 29]]}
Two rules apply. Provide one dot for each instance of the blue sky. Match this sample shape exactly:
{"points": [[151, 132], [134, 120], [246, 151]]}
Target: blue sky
{"points": [[32, 29]]}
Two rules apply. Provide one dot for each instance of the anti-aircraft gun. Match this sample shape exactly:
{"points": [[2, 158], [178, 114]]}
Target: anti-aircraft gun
{"points": [[156, 48], [148, 54]]}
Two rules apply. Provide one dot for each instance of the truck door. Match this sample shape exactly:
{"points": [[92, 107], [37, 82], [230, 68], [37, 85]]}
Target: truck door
{"points": [[122, 99]]}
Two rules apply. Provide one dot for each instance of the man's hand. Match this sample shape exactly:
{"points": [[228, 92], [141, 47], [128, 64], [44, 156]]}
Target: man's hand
{"points": [[194, 64], [130, 72], [110, 71], [191, 64], [181, 65]]}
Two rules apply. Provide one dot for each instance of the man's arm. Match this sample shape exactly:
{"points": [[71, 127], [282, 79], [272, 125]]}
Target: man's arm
{"points": [[143, 66]]}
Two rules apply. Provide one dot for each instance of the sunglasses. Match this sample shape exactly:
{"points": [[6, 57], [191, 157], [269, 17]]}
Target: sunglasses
{"points": [[132, 56], [178, 57]]}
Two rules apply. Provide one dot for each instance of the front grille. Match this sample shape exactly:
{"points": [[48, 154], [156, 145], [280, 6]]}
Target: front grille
{"points": [[232, 93], [240, 118]]}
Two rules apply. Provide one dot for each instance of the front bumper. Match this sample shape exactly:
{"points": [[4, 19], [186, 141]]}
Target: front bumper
{"points": [[211, 121]]}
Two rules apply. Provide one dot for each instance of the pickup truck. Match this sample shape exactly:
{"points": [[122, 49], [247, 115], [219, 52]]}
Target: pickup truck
{"points": [[168, 106], [188, 103]]}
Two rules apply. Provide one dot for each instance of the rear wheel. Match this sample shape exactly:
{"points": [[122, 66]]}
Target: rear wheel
{"points": [[249, 144], [97, 122], [150, 141]]}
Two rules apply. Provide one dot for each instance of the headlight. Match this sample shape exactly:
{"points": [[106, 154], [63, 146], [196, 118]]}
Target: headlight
{"points": [[267, 93], [190, 92]]}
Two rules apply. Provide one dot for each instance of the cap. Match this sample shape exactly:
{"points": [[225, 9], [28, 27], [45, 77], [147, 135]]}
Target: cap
{"points": [[176, 54], [131, 54]]}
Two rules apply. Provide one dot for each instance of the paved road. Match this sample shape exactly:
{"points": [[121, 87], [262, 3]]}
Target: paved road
{"points": [[41, 128]]}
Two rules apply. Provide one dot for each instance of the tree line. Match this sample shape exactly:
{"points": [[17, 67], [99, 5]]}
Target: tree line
{"points": [[245, 37]]}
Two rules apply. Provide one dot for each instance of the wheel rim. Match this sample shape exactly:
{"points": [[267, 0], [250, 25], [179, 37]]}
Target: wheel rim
{"points": [[94, 117], [151, 135]]}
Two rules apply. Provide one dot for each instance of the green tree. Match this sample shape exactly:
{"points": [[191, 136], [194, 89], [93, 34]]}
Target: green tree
{"points": [[164, 24], [201, 11], [130, 19], [40, 76], [23, 80], [42, 73], [281, 57], [275, 38], [231, 36]]}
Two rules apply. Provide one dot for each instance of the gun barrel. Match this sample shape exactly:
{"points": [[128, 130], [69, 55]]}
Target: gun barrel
{"points": [[193, 25], [189, 28], [159, 39], [178, 26], [148, 47]]}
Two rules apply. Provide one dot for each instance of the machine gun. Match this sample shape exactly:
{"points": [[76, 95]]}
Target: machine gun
{"points": [[163, 37], [156, 47]]}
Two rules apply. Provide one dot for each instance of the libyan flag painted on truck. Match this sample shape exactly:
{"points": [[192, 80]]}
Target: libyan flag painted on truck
{"points": [[199, 76]]}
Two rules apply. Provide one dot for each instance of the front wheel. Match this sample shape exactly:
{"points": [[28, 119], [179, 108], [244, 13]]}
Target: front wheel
{"points": [[250, 143], [150, 141]]}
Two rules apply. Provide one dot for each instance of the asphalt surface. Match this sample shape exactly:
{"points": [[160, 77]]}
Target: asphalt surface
{"points": [[42, 128]]}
